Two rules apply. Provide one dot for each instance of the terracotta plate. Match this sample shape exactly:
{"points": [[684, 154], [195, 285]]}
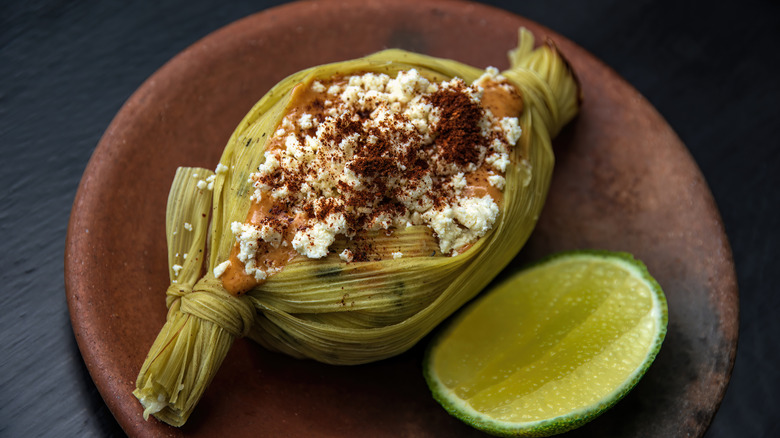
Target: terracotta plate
{"points": [[623, 181]]}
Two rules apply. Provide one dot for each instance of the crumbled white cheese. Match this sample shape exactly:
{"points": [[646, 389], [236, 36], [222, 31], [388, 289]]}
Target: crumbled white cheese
{"points": [[271, 235], [346, 255], [443, 224], [511, 128], [492, 72], [498, 162], [398, 255], [306, 121], [270, 164], [497, 181], [247, 237], [459, 182], [281, 193], [221, 268], [314, 242], [477, 214], [381, 221], [221, 168], [176, 269], [152, 406], [462, 223], [312, 167], [188, 226]]}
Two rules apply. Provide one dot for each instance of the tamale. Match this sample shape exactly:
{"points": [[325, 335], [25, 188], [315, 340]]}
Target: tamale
{"points": [[321, 306]]}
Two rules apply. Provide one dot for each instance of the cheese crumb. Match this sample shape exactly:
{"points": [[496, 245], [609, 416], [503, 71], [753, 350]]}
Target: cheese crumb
{"points": [[346, 255], [177, 269], [459, 182], [188, 226], [511, 128], [497, 181], [398, 255], [314, 242], [462, 223], [306, 121], [221, 268]]}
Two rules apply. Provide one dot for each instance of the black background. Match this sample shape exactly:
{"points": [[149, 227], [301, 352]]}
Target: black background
{"points": [[710, 68]]}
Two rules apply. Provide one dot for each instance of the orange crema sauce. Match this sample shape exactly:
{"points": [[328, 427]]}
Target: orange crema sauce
{"points": [[235, 279], [502, 100]]}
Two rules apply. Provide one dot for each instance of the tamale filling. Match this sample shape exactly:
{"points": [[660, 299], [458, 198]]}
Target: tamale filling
{"points": [[347, 164]]}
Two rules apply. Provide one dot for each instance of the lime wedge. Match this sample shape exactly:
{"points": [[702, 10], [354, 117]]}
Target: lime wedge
{"points": [[552, 347]]}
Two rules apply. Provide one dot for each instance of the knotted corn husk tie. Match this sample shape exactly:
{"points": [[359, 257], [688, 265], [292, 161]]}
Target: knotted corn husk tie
{"points": [[209, 301], [326, 309], [203, 318]]}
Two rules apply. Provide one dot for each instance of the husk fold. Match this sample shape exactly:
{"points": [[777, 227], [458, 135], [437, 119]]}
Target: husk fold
{"points": [[326, 309]]}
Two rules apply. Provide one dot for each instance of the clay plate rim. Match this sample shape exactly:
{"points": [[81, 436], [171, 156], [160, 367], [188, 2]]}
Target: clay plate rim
{"points": [[608, 192]]}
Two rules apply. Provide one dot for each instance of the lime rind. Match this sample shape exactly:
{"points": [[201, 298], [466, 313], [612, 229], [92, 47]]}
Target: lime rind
{"points": [[462, 410]]}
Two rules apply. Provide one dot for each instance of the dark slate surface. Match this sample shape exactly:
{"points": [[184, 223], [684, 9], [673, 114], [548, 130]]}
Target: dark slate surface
{"points": [[67, 67]]}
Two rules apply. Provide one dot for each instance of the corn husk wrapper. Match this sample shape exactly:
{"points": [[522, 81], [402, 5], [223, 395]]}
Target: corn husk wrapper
{"points": [[326, 309]]}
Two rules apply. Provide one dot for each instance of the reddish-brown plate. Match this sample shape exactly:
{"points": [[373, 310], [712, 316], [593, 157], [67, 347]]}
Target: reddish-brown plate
{"points": [[623, 181]]}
